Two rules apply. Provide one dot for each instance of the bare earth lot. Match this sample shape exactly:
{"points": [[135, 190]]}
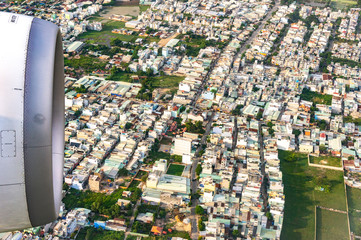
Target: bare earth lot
{"points": [[121, 10]]}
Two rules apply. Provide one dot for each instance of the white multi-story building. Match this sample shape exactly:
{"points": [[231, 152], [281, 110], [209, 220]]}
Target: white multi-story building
{"points": [[182, 146]]}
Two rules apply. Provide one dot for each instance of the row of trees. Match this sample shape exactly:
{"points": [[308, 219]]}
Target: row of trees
{"points": [[203, 217]]}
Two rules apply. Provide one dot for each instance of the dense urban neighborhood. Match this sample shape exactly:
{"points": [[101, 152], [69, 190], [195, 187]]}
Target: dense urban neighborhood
{"points": [[208, 119]]}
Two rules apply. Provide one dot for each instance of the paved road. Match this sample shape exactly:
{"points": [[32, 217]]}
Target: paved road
{"points": [[194, 184], [206, 77], [235, 134], [263, 163], [255, 33]]}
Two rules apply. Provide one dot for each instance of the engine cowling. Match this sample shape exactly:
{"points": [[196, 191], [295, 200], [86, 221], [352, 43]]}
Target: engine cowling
{"points": [[31, 121]]}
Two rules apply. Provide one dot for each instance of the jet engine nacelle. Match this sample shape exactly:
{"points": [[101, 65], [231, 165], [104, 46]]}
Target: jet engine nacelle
{"points": [[31, 121]]}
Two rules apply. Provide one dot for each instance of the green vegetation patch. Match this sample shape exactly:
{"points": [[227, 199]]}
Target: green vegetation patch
{"points": [[143, 8], [141, 227], [166, 141], [175, 169], [343, 4], [174, 233], [121, 76], [144, 208], [100, 203], [350, 119], [148, 80], [155, 154], [167, 81], [355, 221], [105, 35], [134, 184], [194, 43], [302, 188], [331, 225], [159, 155], [90, 233], [316, 97], [326, 160], [327, 59], [95, 18], [196, 127], [353, 198], [354, 204], [152, 82], [85, 63]]}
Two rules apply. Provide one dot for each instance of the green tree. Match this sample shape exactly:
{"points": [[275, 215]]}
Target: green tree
{"points": [[149, 72], [323, 148], [144, 178], [237, 110], [214, 91], [128, 125], [196, 127], [322, 124], [198, 169], [123, 172], [135, 53], [269, 216], [291, 157], [296, 132], [81, 89], [182, 109], [201, 225], [259, 115], [162, 213], [89, 234], [199, 210], [255, 89], [65, 187], [271, 131]]}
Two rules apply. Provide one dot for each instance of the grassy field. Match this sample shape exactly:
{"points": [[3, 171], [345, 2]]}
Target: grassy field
{"points": [[300, 182], [166, 141], [167, 81], [354, 204], [122, 76], [331, 225], [326, 160], [99, 234], [106, 34], [355, 221], [354, 196], [315, 97], [143, 8], [343, 4], [135, 183], [95, 18], [85, 64], [175, 169]]}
